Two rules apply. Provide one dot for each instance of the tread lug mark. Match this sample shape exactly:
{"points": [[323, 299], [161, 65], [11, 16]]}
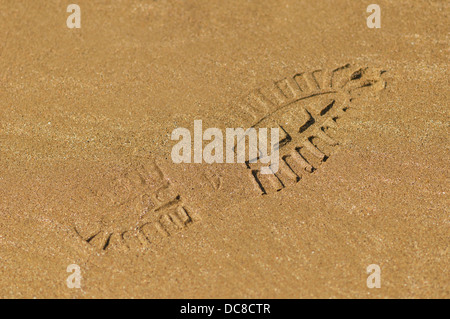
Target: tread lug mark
{"points": [[329, 93], [155, 212]]}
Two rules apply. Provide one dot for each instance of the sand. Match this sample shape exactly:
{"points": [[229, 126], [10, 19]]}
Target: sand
{"points": [[86, 175]]}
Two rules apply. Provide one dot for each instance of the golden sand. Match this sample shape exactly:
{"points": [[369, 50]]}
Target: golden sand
{"points": [[86, 175]]}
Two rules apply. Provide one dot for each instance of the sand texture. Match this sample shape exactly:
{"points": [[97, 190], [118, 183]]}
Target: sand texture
{"points": [[86, 175]]}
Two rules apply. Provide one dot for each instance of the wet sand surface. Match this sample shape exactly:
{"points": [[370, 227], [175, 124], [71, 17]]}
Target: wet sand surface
{"points": [[86, 175]]}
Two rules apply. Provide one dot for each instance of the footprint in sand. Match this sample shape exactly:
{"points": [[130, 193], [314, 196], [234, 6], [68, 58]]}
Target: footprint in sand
{"points": [[149, 200]]}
